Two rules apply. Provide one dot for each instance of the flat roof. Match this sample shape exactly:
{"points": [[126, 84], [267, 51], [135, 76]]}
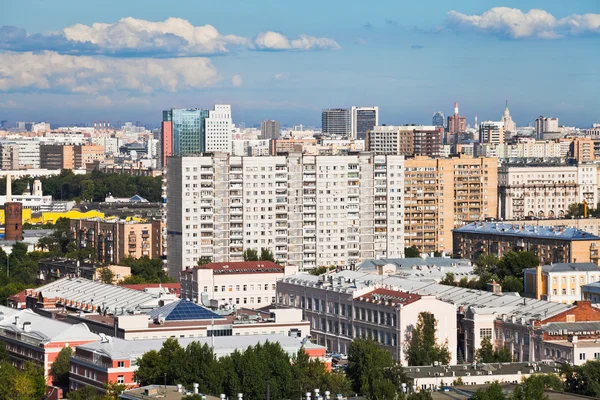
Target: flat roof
{"points": [[243, 267], [535, 231]]}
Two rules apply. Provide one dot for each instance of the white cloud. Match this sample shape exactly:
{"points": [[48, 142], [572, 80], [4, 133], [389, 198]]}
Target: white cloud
{"points": [[280, 76], [515, 24], [270, 40], [174, 37], [93, 75], [237, 81]]}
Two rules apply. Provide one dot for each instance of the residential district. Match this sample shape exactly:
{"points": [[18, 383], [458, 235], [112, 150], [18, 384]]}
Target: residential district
{"points": [[208, 260]]}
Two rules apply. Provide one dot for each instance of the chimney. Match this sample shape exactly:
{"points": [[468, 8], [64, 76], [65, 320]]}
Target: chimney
{"points": [[8, 188], [27, 326], [196, 388], [456, 108], [16, 320], [538, 282]]}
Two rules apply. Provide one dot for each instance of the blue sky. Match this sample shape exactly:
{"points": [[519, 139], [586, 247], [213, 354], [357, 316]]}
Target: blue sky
{"points": [[69, 61]]}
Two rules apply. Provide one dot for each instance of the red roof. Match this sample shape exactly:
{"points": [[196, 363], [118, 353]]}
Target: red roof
{"points": [[244, 267], [172, 287], [18, 298], [393, 297]]}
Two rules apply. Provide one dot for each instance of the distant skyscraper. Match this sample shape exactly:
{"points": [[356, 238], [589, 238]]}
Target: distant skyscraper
{"points": [[363, 120], [438, 119], [509, 125], [456, 123], [545, 125], [336, 121], [270, 129], [191, 131]]}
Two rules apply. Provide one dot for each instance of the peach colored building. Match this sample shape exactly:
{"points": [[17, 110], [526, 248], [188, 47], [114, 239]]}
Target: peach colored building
{"points": [[119, 273], [87, 154], [116, 240], [444, 193]]}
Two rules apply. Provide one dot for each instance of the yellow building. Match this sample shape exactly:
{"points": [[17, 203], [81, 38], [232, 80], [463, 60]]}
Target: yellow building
{"points": [[119, 273], [561, 283], [52, 216], [441, 194]]}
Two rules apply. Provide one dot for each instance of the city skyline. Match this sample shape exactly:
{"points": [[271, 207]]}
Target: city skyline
{"points": [[127, 62]]}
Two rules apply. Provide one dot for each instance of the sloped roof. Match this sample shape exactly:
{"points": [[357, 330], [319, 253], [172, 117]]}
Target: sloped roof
{"points": [[243, 267], [542, 232], [184, 310]]}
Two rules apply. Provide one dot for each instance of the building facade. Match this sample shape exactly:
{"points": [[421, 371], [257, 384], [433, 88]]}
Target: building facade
{"points": [[56, 156], [87, 154], [543, 189], [270, 129], [118, 239], [243, 284], [560, 282], [550, 245], [363, 120], [491, 132], [456, 123], [336, 121], [391, 140], [308, 210], [442, 194], [438, 119]]}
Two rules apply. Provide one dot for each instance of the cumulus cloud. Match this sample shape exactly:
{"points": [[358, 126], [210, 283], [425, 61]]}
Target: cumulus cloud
{"points": [[174, 37], [270, 40], [237, 81], [50, 71], [513, 23]]}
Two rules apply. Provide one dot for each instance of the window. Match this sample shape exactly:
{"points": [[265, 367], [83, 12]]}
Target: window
{"points": [[245, 287], [582, 356], [485, 333], [216, 288], [222, 288], [237, 288], [266, 286], [205, 289], [121, 364], [120, 379]]}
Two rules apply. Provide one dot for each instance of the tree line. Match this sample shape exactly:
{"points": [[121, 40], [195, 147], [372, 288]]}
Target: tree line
{"points": [[94, 186]]}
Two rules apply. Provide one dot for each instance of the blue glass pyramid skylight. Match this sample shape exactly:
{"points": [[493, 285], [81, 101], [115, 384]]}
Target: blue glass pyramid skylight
{"points": [[183, 310]]}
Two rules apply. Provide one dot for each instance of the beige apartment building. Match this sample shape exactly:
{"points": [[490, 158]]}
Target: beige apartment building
{"points": [[56, 156], [442, 194], [87, 154], [118, 239]]}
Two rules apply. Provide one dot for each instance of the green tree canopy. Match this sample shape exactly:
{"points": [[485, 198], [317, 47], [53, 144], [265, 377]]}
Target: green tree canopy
{"points": [[250, 255], [583, 379], [423, 348], [412, 252], [487, 354], [61, 366], [145, 270]]}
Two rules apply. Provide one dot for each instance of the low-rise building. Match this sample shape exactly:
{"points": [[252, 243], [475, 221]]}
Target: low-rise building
{"points": [[115, 360], [591, 292], [560, 282], [550, 245], [340, 309], [427, 269], [244, 284], [591, 225], [31, 337]]}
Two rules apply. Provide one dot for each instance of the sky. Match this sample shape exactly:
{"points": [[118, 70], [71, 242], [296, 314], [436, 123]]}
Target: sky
{"points": [[68, 61]]}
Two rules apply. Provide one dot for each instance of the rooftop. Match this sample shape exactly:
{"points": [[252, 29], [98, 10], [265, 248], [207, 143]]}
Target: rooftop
{"points": [[481, 301], [41, 330], [391, 297], [454, 371], [515, 230], [156, 392], [243, 267], [183, 310], [568, 267], [152, 287]]}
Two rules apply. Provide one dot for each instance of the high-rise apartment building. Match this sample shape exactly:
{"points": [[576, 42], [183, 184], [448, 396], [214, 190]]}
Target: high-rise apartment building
{"points": [[9, 156], [336, 121], [491, 132], [456, 123], [545, 126], [405, 140], [193, 131], [363, 120], [308, 210], [270, 129], [438, 119], [442, 194], [89, 154]]}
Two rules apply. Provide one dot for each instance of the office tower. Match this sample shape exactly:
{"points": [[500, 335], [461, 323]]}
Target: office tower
{"points": [[438, 119], [442, 194], [491, 132], [509, 125], [9, 156], [363, 120], [220, 205], [546, 125], [270, 129], [456, 123], [3, 124], [192, 131], [407, 140], [336, 121]]}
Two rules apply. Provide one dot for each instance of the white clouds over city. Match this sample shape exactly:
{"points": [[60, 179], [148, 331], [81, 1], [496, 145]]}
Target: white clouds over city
{"points": [[50, 71], [512, 23]]}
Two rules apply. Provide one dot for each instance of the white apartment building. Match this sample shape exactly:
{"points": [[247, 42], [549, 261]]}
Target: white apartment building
{"points": [[308, 210], [491, 132], [218, 128], [544, 190], [250, 147], [249, 284], [28, 154], [524, 149]]}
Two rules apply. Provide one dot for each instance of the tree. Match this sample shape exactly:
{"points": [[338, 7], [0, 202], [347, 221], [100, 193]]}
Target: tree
{"points": [[85, 393], [512, 284], [61, 366], [204, 260], [513, 263], [437, 254], [423, 348], [486, 264], [173, 358], [583, 379], [448, 279], [373, 371], [250, 255], [320, 270], [412, 252], [203, 368], [113, 391], [492, 392], [145, 270], [266, 255], [487, 354], [150, 368], [107, 276], [534, 387]]}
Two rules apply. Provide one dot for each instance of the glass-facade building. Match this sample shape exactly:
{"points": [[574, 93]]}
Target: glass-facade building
{"points": [[188, 130], [366, 120], [438, 119], [336, 122]]}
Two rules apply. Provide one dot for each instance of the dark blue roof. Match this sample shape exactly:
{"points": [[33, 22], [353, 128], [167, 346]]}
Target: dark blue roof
{"points": [[183, 310], [542, 232]]}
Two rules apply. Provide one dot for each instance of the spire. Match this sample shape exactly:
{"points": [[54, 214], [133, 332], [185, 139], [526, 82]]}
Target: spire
{"points": [[506, 107]]}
